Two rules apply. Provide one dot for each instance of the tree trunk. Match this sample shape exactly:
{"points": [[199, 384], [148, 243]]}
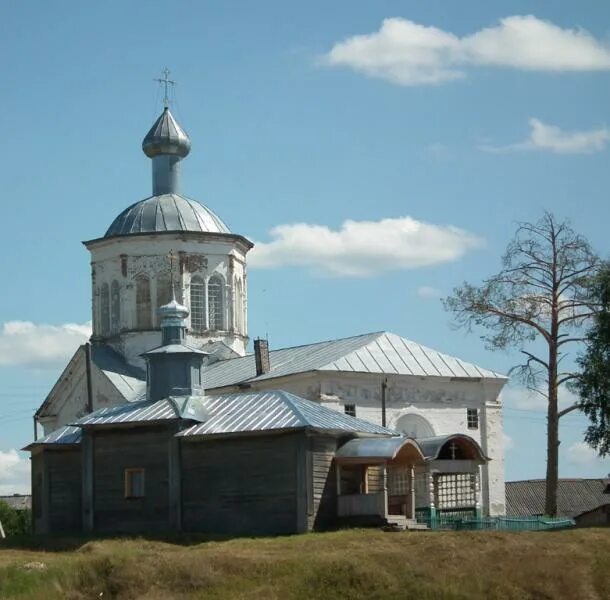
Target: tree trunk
{"points": [[552, 447]]}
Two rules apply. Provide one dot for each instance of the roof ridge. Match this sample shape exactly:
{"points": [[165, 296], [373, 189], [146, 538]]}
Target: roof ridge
{"points": [[287, 397]]}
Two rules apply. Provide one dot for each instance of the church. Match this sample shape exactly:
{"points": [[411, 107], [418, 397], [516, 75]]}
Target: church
{"points": [[164, 422]]}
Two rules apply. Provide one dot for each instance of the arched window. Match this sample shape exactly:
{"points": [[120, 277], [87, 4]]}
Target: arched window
{"points": [[115, 307], [164, 290], [143, 305], [216, 307], [105, 309], [414, 426], [197, 304]]}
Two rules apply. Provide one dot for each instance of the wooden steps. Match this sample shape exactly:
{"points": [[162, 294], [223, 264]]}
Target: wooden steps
{"points": [[402, 523]]}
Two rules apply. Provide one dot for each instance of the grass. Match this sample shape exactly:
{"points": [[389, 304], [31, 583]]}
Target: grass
{"points": [[351, 564]]}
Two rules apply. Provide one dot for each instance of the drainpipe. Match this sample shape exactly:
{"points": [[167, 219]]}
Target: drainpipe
{"points": [[89, 384], [384, 387]]}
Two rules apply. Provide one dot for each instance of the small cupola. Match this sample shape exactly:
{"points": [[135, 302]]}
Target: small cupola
{"points": [[174, 369]]}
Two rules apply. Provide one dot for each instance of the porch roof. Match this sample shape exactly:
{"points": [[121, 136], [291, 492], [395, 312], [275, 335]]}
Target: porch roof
{"points": [[382, 449]]}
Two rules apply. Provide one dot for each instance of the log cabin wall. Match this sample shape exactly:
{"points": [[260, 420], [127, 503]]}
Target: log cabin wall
{"points": [[137, 448], [322, 511], [56, 486], [248, 485]]}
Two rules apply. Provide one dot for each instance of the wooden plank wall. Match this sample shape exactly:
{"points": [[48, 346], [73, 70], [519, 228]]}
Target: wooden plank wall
{"points": [[64, 490], [40, 503], [117, 450], [375, 479], [244, 485], [323, 507]]}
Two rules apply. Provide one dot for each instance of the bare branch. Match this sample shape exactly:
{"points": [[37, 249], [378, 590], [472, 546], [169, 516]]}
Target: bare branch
{"points": [[565, 411]]}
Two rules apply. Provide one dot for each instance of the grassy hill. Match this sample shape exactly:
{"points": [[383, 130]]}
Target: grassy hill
{"points": [[347, 564]]}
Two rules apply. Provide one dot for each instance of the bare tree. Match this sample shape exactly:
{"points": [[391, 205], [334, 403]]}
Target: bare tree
{"points": [[539, 295]]}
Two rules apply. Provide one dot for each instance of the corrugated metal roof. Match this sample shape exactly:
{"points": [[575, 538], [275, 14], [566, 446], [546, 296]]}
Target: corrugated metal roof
{"points": [[166, 212], [574, 497], [17, 501], [273, 410], [128, 380], [62, 436], [380, 352], [133, 412]]}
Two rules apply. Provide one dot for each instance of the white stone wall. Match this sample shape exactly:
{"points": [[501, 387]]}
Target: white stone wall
{"points": [[123, 259], [68, 399], [443, 402]]}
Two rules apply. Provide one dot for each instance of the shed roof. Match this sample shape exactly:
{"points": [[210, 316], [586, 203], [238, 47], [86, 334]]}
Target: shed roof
{"points": [[381, 352], [273, 410], [574, 496]]}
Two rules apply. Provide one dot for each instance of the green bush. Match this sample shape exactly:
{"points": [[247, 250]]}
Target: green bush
{"points": [[15, 522]]}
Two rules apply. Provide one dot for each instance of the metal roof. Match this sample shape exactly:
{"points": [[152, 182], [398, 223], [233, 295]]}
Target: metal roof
{"points": [[189, 407], [166, 212], [18, 501], [381, 352], [429, 448], [166, 136], [63, 436], [127, 379], [273, 410], [574, 497], [385, 448]]}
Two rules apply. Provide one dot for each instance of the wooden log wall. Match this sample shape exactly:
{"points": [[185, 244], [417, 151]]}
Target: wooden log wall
{"points": [[246, 485], [64, 490], [323, 505], [117, 450]]}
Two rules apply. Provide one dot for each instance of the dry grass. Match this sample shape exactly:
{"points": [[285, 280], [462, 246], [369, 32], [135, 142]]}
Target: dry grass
{"points": [[347, 564]]}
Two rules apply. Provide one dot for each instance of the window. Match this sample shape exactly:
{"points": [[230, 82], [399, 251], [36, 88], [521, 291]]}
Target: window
{"points": [[134, 483], [115, 305], [472, 418], [143, 307], [197, 304], [350, 409], [398, 481], [164, 290], [454, 490], [215, 303], [239, 307], [105, 309]]}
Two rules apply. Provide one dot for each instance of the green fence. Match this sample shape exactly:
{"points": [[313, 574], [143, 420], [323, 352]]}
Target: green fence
{"points": [[468, 520]]}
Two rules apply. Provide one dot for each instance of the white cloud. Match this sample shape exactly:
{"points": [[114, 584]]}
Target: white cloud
{"points": [[520, 398], [39, 346], [362, 248], [428, 292], [507, 441], [551, 138], [407, 53], [581, 454], [14, 473]]}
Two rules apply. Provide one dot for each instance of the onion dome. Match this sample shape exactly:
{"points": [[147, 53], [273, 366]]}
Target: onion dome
{"points": [[166, 137], [168, 212]]}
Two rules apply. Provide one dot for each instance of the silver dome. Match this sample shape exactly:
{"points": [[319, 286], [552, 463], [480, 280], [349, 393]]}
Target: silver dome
{"points": [[167, 212], [166, 137]]}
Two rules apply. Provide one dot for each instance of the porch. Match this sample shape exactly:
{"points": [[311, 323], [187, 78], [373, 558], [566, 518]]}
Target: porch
{"points": [[398, 479]]}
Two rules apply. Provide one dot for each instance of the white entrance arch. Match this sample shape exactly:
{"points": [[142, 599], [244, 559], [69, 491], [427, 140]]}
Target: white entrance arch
{"points": [[414, 426]]}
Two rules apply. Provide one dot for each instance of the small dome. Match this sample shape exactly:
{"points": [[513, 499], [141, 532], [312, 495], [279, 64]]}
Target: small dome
{"points": [[167, 212], [166, 137], [172, 311]]}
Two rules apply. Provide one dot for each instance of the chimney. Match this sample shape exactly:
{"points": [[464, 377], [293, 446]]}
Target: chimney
{"points": [[261, 356]]}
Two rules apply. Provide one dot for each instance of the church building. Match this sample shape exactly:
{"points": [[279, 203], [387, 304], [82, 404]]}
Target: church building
{"points": [[162, 421]]}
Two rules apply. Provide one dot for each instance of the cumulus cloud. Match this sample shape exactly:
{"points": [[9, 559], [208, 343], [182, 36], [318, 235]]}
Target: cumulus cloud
{"points": [[550, 138], [362, 248], [39, 346], [14, 473], [407, 53], [428, 292], [521, 398], [582, 455]]}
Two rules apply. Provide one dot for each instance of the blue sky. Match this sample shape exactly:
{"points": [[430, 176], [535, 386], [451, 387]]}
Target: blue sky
{"points": [[447, 115]]}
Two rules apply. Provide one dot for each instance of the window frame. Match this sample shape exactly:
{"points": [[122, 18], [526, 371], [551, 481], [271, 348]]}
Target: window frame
{"points": [[472, 418], [198, 308], [219, 312], [128, 487], [349, 409]]}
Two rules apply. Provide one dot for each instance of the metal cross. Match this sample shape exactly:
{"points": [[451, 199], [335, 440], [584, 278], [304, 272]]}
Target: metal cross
{"points": [[452, 448], [172, 257], [166, 81]]}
